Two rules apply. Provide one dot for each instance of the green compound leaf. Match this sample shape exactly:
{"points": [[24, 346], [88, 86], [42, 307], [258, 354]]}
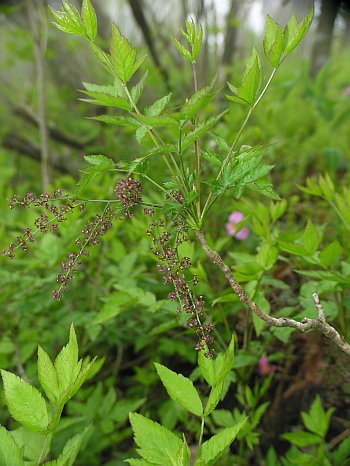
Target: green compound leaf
{"points": [[10, 454], [180, 389], [25, 402], [156, 443], [47, 376], [89, 18], [273, 42], [215, 447]]}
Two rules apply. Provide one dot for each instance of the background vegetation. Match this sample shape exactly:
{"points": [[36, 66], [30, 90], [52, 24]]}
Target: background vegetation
{"points": [[117, 302]]}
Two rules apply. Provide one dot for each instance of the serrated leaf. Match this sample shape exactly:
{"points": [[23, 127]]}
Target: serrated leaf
{"points": [[117, 120], [195, 103], [213, 449], [183, 456], [158, 106], [65, 24], [180, 389], [265, 188], [136, 91], [206, 366], [294, 32], [317, 419], [273, 42], [10, 454], [31, 444], [138, 462], [223, 364], [182, 49], [248, 90], [302, 439], [70, 451], [100, 161], [83, 375], [214, 397], [99, 164], [107, 100], [200, 462], [66, 363], [155, 442], [197, 43], [330, 254], [114, 305], [47, 376], [89, 18], [138, 63], [156, 121], [123, 55], [25, 402], [103, 58], [202, 129], [311, 238]]}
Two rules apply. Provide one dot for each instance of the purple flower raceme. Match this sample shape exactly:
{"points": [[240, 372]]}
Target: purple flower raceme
{"points": [[232, 227], [265, 368]]}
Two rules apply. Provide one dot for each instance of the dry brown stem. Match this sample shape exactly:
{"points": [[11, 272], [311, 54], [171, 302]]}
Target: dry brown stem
{"points": [[318, 324]]}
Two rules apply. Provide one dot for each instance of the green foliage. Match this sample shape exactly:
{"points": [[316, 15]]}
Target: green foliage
{"points": [[297, 246], [180, 389], [60, 381]]}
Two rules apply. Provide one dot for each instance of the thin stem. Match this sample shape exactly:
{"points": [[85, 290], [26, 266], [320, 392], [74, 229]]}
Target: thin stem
{"points": [[208, 203], [201, 433], [41, 456], [34, 233], [84, 246], [318, 324], [197, 148]]}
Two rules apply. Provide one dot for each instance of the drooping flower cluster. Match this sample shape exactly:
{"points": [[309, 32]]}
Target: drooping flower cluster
{"points": [[175, 273], [57, 206], [128, 191], [90, 236]]}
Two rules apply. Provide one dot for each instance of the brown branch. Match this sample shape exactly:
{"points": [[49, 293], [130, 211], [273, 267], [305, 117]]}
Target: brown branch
{"points": [[29, 115], [23, 146], [318, 324]]}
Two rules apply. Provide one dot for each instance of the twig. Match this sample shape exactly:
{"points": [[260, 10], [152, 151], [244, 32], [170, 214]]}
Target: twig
{"points": [[318, 324]]}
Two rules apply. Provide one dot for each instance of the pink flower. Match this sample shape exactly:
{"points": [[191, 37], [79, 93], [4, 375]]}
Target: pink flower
{"points": [[346, 91], [265, 368], [232, 227]]}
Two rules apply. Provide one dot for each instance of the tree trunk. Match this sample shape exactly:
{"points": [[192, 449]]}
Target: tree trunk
{"points": [[231, 34], [324, 33], [137, 10]]}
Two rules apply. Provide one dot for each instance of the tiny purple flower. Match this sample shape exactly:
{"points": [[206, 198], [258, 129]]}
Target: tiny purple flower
{"points": [[231, 226], [265, 368]]}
